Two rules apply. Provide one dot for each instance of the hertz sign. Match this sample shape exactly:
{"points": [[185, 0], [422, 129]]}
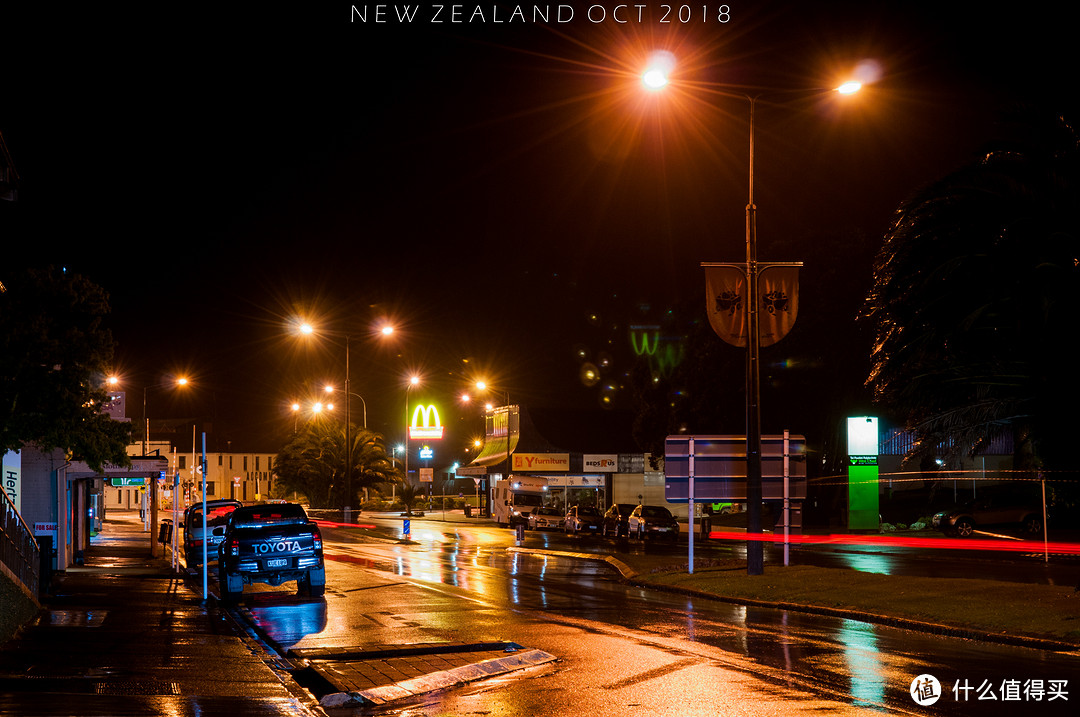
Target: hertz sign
{"points": [[425, 423]]}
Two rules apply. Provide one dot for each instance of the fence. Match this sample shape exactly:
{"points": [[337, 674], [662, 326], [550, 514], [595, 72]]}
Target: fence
{"points": [[19, 551]]}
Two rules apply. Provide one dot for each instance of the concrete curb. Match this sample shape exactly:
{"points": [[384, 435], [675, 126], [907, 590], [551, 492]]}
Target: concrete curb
{"points": [[632, 577], [625, 570], [405, 689]]}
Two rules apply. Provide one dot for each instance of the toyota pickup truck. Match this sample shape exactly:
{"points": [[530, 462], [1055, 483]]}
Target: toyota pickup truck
{"points": [[272, 544]]}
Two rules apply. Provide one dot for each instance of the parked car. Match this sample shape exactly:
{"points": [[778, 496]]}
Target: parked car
{"points": [[583, 519], [615, 519], [1004, 509], [271, 544], [652, 521], [545, 518], [217, 514]]}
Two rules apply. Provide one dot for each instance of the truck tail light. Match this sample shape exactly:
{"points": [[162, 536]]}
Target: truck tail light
{"points": [[234, 547], [316, 539]]}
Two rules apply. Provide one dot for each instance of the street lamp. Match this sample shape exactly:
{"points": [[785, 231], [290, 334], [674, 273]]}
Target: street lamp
{"points": [[179, 382], [330, 389], [656, 77], [386, 330], [483, 386]]}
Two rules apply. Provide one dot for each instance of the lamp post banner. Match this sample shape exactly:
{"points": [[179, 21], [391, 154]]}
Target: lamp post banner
{"points": [[778, 287], [725, 301], [778, 300]]}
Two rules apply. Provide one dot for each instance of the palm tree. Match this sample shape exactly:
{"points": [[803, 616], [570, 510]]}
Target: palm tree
{"points": [[973, 301], [313, 463], [408, 494]]}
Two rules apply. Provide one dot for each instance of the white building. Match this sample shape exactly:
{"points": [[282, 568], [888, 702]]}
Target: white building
{"points": [[241, 476]]}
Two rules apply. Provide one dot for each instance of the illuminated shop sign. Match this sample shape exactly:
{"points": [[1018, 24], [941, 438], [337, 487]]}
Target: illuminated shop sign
{"points": [[541, 462], [425, 423]]}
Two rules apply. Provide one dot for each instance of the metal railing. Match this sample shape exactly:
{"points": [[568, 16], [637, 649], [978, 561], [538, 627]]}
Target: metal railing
{"points": [[19, 551]]}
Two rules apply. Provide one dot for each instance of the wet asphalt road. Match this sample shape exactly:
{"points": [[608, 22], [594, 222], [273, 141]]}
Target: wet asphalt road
{"points": [[624, 647]]}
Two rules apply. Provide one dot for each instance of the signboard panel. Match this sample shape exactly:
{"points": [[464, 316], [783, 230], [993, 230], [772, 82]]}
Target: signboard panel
{"points": [[125, 481], [425, 423], [720, 468], [600, 463], [558, 462], [10, 479], [863, 473]]}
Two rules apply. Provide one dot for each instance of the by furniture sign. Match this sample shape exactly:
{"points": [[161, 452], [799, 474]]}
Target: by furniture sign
{"points": [[425, 423], [541, 462]]}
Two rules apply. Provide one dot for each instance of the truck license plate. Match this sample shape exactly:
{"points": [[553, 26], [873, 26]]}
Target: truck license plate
{"points": [[277, 563]]}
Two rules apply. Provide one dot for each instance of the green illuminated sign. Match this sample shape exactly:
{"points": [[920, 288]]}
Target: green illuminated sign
{"points": [[127, 481], [863, 507]]}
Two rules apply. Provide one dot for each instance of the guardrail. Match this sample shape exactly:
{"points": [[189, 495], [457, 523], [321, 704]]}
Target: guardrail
{"points": [[19, 551]]}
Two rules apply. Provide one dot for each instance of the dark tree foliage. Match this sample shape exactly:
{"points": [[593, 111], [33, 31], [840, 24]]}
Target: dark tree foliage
{"points": [[54, 354], [313, 463], [974, 303]]}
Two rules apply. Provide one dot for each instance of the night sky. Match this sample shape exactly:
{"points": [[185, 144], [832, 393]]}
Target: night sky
{"points": [[503, 192]]}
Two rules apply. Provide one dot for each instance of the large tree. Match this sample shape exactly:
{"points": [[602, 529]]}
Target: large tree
{"points": [[313, 463], [974, 302], [54, 354]]}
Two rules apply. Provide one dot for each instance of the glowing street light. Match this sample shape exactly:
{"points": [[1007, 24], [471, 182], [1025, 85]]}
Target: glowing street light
{"points": [[656, 78], [308, 329], [179, 382], [657, 74]]}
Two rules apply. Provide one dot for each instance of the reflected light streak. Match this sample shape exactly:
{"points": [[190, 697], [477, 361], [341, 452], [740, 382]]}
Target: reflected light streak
{"points": [[332, 524], [864, 663], [1012, 546]]}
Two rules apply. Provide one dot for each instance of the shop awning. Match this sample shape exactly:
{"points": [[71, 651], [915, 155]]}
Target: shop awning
{"points": [[494, 452]]}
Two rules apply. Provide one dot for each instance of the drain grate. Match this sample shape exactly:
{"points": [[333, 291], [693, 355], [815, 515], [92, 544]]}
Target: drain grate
{"points": [[136, 687]]}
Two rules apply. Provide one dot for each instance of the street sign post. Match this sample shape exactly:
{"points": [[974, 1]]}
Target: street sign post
{"points": [[713, 469], [720, 468]]}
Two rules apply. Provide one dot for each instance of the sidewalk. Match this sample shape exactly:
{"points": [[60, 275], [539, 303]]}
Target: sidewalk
{"points": [[123, 635]]}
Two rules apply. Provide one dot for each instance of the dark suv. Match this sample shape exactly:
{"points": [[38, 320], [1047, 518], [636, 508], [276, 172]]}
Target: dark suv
{"points": [[272, 544], [652, 521], [217, 514], [1008, 509]]}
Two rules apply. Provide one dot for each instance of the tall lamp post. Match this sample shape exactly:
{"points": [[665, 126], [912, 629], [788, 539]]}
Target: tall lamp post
{"points": [[330, 389], [656, 78], [307, 329], [151, 521], [413, 381], [483, 386], [180, 382]]}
